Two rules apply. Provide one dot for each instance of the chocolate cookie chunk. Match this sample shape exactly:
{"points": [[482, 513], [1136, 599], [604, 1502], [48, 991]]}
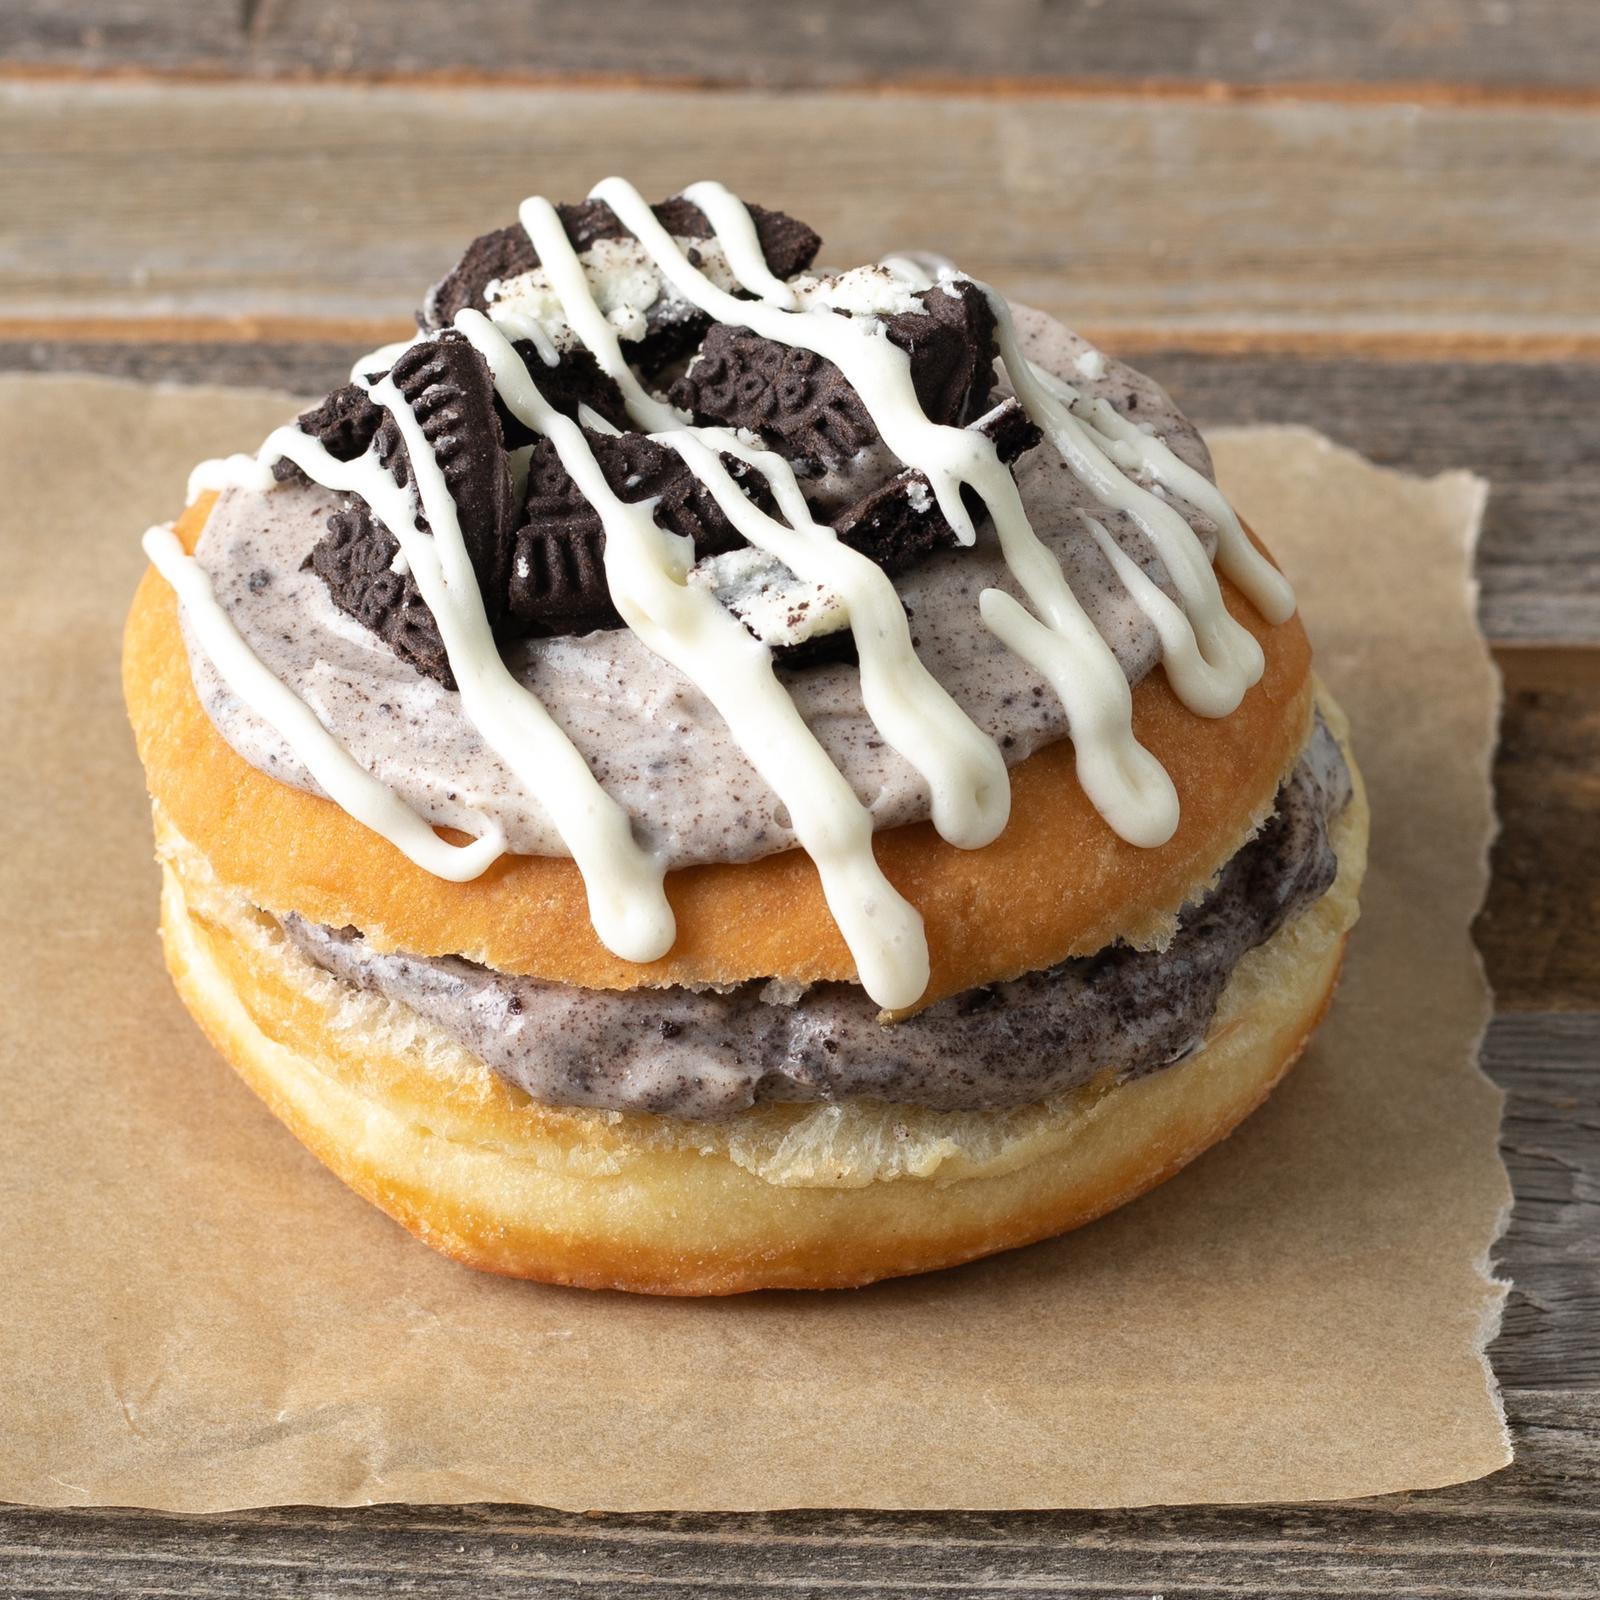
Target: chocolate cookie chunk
{"points": [[805, 407], [448, 387], [491, 257], [789, 247], [558, 579], [539, 556], [899, 523], [800, 404], [575, 380], [344, 424], [355, 559], [558, 582], [951, 342], [450, 390]]}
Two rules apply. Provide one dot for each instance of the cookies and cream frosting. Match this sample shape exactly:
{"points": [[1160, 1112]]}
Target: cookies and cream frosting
{"points": [[612, 519]]}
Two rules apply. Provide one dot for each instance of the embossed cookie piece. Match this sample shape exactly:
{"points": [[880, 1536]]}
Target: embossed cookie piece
{"points": [[805, 407], [448, 386], [800, 403], [450, 390], [557, 566], [355, 559], [788, 245], [344, 424], [558, 581]]}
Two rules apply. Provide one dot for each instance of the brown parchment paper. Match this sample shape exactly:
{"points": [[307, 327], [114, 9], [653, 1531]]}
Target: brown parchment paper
{"points": [[197, 1316]]}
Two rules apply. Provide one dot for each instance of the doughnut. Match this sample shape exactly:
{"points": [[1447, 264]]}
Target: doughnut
{"points": [[698, 774]]}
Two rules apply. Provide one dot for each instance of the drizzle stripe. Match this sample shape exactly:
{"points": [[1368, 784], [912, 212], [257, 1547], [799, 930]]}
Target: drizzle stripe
{"points": [[1180, 652], [1228, 660], [965, 772], [349, 785], [688, 627], [1127, 785], [1260, 582], [627, 901], [1128, 788], [735, 231]]}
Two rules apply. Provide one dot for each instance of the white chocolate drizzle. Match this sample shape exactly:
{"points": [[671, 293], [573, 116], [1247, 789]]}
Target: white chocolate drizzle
{"points": [[646, 570], [1260, 582], [964, 770], [349, 785], [1210, 659], [1126, 785], [561, 264], [1224, 658], [238, 471], [733, 229], [627, 900]]}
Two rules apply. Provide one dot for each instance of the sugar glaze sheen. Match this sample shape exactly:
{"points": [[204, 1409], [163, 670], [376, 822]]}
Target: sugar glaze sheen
{"points": [[1127, 475]]}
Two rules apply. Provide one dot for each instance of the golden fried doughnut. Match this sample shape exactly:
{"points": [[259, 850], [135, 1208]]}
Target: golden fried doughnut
{"points": [[657, 1205], [1058, 882]]}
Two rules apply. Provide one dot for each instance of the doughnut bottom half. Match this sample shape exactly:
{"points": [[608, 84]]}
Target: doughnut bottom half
{"points": [[797, 1197]]}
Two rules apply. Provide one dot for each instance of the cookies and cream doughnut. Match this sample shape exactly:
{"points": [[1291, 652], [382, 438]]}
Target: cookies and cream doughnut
{"points": [[699, 773]]}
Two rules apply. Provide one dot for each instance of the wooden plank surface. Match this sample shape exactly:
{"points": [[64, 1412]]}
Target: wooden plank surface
{"points": [[1549, 1065], [1540, 930], [1127, 216], [1419, 281], [1515, 44]]}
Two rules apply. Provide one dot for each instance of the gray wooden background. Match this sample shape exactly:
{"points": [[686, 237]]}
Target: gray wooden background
{"points": [[1378, 217]]}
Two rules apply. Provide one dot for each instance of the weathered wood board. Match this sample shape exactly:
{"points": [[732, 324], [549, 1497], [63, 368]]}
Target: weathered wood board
{"points": [[1125, 216], [1518, 45]]}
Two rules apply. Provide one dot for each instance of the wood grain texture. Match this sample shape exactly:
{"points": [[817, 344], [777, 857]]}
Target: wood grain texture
{"points": [[1518, 423], [810, 43], [1549, 1065], [303, 202], [1542, 920]]}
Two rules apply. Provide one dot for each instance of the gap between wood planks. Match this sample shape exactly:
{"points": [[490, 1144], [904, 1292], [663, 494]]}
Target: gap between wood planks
{"points": [[1405, 91], [1462, 345]]}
